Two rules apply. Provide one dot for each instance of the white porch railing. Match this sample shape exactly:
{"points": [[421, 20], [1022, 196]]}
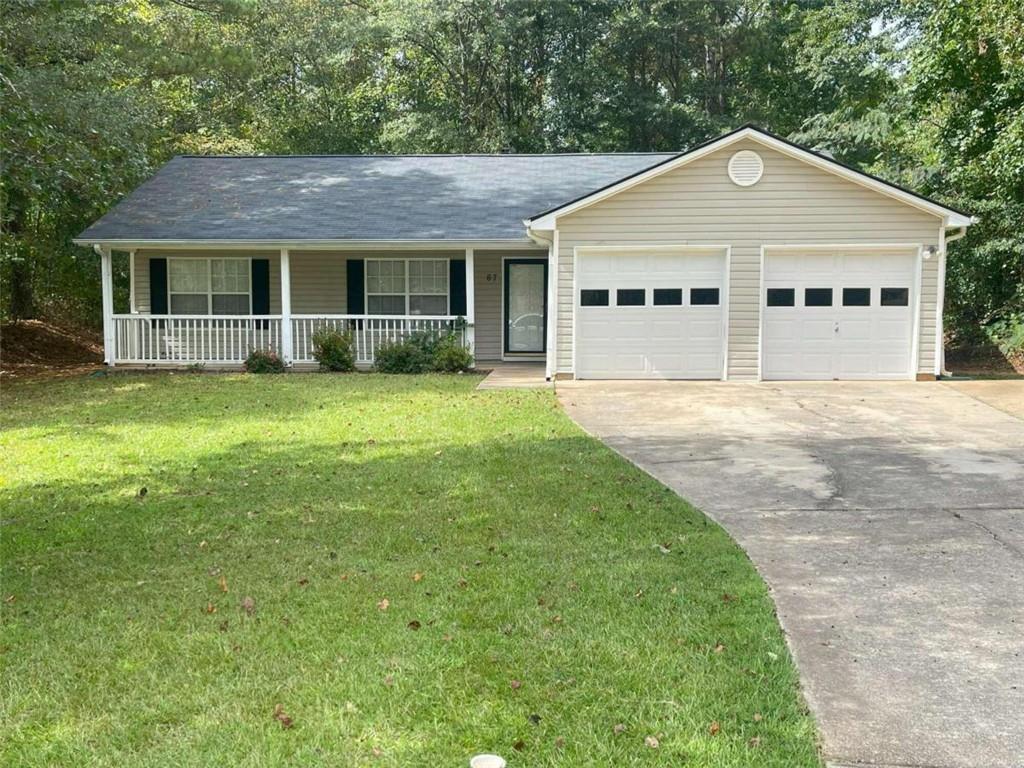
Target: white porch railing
{"points": [[368, 331], [228, 339], [186, 339]]}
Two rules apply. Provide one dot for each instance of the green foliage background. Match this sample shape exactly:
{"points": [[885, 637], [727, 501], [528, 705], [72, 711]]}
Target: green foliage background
{"points": [[96, 95]]}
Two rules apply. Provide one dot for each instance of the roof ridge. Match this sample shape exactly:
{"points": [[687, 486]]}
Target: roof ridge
{"points": [[428, 155]]}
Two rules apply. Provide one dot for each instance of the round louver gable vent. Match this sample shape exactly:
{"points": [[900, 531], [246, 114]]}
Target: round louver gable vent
{"points": [[745, 168]]}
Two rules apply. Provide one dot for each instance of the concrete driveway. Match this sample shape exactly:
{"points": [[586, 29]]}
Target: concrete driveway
{"points": [[888, 519]]}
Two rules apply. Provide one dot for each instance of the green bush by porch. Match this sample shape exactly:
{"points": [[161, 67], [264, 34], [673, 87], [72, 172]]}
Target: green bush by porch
{"points": [[430, 571]]}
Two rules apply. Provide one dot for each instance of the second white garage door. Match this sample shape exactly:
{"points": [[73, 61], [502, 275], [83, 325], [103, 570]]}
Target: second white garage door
{"points": [[656, 314], [838, 315]]}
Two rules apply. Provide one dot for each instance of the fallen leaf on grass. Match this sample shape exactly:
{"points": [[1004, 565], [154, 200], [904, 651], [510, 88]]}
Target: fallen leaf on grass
{"points": [[211, 608], [248, 605], [223, 583], [714, 728], [516, 685], [719, 648], [652, 742], [618, 729], [383, 605], [417, 576], [414, 625], [281, 717], [9, 599], [757, 717]]}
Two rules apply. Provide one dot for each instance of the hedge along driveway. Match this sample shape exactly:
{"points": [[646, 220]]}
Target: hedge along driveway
{"points": [[406, 570]]}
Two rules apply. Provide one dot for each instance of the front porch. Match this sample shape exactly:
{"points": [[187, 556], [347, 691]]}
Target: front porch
{"points": [[214, 306]]}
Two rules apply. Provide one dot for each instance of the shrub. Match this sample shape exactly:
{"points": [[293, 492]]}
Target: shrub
{"points": [[423, 352], [451, 356], [403, 357], [333, 350], [263, 361]]}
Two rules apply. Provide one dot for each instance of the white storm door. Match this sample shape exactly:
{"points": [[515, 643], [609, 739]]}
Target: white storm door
{"points": [[525, 306]]}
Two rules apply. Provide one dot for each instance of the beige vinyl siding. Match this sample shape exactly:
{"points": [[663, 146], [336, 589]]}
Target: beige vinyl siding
{"points": [[142, 271], [487, 279], [793, 203], [929, 310], [318, 282]]}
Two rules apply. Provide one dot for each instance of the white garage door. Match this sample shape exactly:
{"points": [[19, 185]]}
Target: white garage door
{"points": [[838, 315], [650, 314]]}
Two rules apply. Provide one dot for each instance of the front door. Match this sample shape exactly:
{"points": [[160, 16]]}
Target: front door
{"points": [[526, 306]]}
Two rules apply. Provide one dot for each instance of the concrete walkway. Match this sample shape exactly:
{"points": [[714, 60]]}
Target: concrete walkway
{"points": [[888, 519], [514, 376]]}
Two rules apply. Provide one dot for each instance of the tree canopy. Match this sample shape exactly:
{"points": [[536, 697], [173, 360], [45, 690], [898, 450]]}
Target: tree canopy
{"points": [[97, 94]]}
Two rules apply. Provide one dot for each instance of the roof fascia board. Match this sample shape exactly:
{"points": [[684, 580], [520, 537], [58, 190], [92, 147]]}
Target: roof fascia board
{"points": [[950, 217], [312, 245]]}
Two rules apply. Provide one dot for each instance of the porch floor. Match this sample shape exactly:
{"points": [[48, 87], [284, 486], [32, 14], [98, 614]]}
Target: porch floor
{"points": [[505, 375]]}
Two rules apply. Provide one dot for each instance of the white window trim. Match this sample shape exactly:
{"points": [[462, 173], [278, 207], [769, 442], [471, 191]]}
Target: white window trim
{"points": [[367, 293], [209, 282]]}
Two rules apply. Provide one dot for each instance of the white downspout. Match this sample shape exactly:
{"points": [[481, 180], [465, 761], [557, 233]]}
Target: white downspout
{"points": [[551, 338]]}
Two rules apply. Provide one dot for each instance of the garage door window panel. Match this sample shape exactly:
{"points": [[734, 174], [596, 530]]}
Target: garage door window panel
{"points": [[591, 297], [817, 297], [668, 297], [704, 297], [895, 297], [856, 297], [781, 297], [630, 297]]}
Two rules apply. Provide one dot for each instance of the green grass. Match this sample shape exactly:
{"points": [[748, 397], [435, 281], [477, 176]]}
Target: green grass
{"points": [[319, 497]]}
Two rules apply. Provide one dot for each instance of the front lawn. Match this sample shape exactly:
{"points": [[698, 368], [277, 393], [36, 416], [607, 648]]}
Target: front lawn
{"points": [[405, 570]]}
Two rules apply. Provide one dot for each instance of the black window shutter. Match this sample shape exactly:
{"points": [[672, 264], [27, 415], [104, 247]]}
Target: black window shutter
{"points": [[261, 286], [158, 286], [354, 276], [457, 287]]}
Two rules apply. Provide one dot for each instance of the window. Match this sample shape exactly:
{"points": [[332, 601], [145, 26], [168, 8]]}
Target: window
{"points": [[703, 297], [668, 297], [817, 297], [781, 297], [407, 286], [209, 286], [895, 297], [593, 298], [856, 297], [630, 297]]}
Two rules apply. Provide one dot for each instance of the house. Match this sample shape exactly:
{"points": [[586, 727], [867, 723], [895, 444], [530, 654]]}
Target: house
{"points": [[748, 257]]}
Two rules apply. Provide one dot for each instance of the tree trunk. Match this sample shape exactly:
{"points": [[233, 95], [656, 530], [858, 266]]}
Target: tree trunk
{"points": [[21, 301]]}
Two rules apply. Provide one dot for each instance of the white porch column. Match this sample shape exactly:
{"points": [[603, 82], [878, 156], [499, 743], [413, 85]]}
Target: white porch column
{"points": [[286, 308], [107, 280], [131, 283], [470, 302]]}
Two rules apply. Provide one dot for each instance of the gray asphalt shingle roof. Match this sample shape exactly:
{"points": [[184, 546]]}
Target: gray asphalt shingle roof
{"points": [[374, 197]]}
